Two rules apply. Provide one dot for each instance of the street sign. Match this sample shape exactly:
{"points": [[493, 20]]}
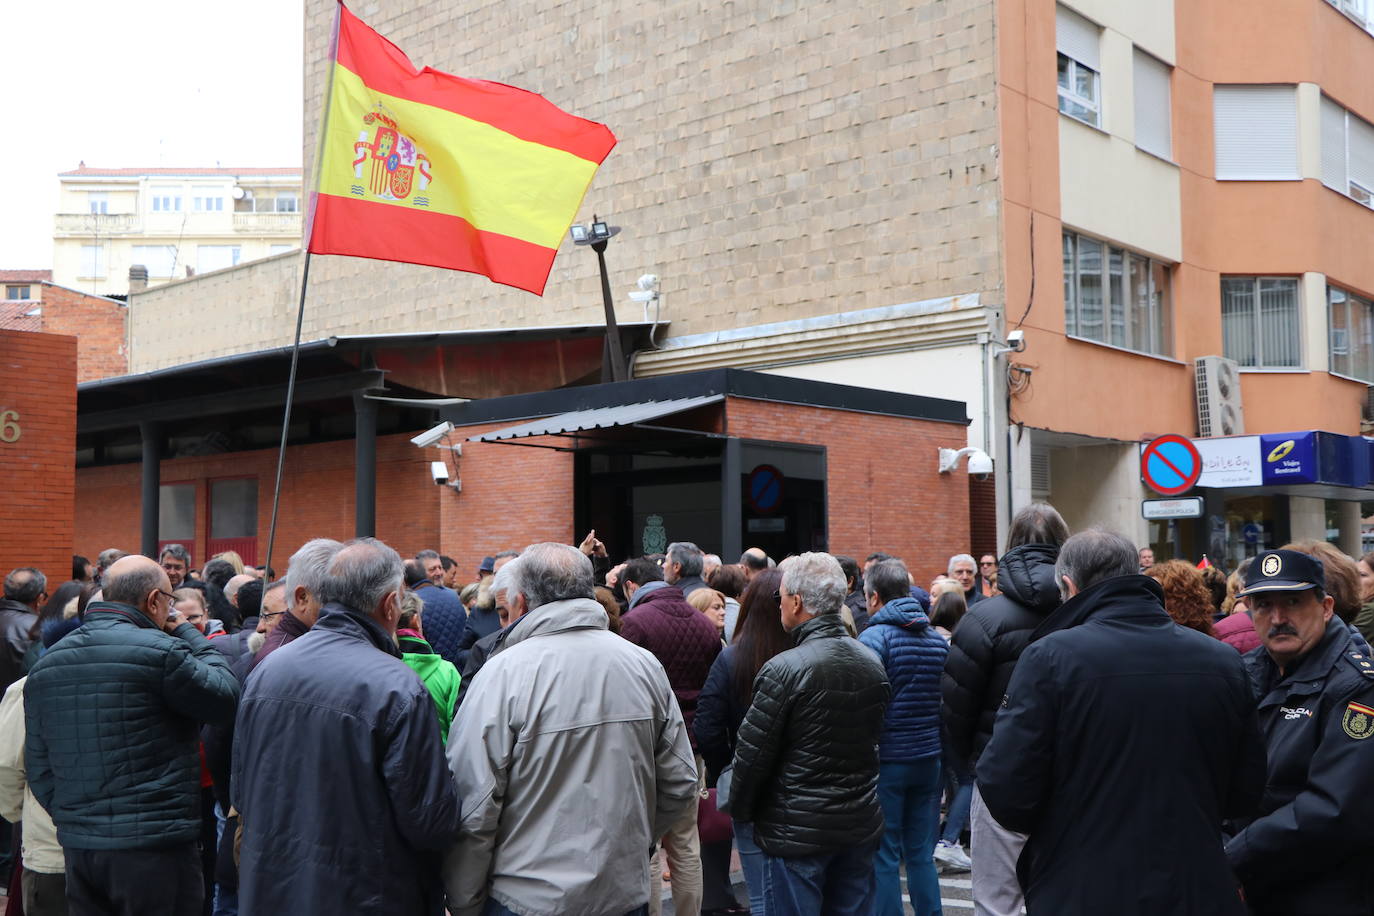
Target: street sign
{"points": [[1170, 465], [1183, 507], [764, 489]]}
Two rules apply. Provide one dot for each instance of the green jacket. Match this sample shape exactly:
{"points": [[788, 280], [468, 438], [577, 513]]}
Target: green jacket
{"points": [[112, 714], [440, 678], [1364, 622]]}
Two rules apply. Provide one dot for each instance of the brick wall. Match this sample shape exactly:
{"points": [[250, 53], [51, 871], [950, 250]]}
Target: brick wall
{"points": [[317, 497], [982, 511], [38, 384], [99, 328], [884, 491]]}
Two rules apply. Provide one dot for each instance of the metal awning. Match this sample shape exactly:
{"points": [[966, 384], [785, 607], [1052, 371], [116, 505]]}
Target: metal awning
{"points": [[599, 418]]}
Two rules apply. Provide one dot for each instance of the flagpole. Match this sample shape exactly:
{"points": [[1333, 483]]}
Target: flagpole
{"points": [[305, 283]]}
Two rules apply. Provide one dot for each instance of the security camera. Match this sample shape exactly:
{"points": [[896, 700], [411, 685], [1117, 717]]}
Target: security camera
{"points": [[1017, 340], [980, 464], [432, 436], [439, 471]]}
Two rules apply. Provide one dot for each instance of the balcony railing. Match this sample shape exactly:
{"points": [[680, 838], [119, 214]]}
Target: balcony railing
{"points": [[97, 223], [268, 223]]}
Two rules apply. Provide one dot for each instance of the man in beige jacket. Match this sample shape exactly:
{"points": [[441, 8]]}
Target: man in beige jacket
{"points": [[44, 878]]}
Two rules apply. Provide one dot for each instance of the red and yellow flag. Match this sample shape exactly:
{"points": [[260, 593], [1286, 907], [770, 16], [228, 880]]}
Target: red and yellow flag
{"points": [[428, 168]]}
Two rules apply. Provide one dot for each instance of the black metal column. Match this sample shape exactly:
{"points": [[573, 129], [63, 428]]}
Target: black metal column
{"points": [[731, 503], [365, 466], [613, 353], [152, 482]]}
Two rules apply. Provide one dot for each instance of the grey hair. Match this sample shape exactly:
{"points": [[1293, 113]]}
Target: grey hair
{"points": [[961, 558], [688, 554], [109, 555], [427, 555], [361, 574], [1038, 523], [888, 579], [307, 567], [176, 550], [133, 586], [25, 584], [818, 579], [553, 572], [507, 579], [1094, 556], [236, 582]]}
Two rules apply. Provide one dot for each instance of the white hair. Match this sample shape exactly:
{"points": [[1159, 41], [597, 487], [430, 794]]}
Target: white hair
{"points": [[553, 572], [961, 558], [507, 579], [818, 579], [308, 566]]}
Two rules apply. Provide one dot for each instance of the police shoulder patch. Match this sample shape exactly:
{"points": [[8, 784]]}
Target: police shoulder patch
{"points": [[1358, 721]]}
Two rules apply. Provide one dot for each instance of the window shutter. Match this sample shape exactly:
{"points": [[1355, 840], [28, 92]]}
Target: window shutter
{"points": [[1333, 146], [1076, 37], [1361, 153], [1153, 111], [1256, 132]]}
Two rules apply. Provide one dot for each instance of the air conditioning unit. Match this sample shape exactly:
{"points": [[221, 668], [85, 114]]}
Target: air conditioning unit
{"points": [[1218, 397], [1040, 472], [1369, 404]]}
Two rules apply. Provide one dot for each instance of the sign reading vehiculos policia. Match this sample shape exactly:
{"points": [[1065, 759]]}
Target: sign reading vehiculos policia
{"points": [[429, 168]]}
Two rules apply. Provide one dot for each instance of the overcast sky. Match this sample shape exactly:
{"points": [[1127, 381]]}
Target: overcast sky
{"points": [[139, 83]]}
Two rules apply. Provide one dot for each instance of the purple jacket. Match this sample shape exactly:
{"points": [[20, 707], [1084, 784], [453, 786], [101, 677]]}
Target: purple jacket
{"points": [[683, 640], [1237, 631]]}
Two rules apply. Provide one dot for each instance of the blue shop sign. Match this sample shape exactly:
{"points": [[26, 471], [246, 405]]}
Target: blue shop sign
{"points": [[1289, 458]]}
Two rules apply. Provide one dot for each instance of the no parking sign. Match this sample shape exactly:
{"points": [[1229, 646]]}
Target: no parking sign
{"points": [[1170, 465]]}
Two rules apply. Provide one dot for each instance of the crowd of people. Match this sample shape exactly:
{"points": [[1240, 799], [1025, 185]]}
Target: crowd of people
{"points": [[1086, 730]]}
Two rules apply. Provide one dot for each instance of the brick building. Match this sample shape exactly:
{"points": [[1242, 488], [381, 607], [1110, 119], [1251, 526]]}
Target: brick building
{"points": [[97, 323], [37, 436]]}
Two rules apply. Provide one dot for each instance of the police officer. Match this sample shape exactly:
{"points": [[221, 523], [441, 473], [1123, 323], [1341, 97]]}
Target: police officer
{"points": [[1308, 851]]}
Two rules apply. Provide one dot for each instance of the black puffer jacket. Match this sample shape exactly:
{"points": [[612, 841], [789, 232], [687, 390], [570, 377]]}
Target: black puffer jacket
{"points": [[806, 759], [989, 640]]}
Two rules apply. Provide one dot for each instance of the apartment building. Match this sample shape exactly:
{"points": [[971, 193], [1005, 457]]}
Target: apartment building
{"points": [[883, 196], [1195, 184], [176, 222]]}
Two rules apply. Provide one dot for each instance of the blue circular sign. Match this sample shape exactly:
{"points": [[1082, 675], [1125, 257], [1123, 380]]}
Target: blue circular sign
{"points": [[1170, 465], [764, 488]]}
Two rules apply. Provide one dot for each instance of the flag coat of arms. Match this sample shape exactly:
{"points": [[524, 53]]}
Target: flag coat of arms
{"points": [[429, 168]]}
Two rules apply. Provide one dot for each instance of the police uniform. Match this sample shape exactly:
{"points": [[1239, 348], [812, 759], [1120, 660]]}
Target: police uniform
{"points": [[1309, 851]]}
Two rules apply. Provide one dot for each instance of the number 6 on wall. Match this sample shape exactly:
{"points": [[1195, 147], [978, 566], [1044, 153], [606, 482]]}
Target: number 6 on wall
{"points": [[9, 426]]}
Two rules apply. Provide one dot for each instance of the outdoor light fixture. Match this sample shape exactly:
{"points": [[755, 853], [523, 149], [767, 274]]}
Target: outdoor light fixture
{"points": [[597, 236]]}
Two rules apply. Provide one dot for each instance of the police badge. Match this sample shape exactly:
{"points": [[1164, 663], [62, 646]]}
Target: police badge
{"points": [[1358, 721]]}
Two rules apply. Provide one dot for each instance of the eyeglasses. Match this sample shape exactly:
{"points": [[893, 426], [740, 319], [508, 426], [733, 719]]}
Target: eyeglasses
{"points": [[270, 614]]}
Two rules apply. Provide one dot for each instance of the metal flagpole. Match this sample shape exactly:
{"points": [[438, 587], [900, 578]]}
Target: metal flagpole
{"points": [[305, 282]]}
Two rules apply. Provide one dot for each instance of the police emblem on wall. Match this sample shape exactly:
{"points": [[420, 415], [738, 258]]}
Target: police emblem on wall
{"points": [[655, 535], [1271, 565], [1358, 721]]}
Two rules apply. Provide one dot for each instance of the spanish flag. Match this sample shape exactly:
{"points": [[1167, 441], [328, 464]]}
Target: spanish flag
{"points": [[428, 168]]}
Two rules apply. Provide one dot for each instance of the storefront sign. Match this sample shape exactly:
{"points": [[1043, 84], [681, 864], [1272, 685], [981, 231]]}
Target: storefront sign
{"points": [[1184, 507], [1289, 458], [1234, 461]]}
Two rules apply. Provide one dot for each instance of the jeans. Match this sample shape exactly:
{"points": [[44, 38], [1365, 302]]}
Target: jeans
{"points": [[226, 899], [833, 884], [751, 863], [910, 795], [959, 787], [495, 909]]}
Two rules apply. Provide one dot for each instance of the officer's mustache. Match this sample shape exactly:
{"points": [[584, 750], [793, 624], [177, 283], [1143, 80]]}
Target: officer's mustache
{"points": [[1282, 629]]}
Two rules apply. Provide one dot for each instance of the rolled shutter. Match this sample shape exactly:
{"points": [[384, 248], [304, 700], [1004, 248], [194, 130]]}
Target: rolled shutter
{"points": [[1361, 140], [1078, 38], [1333, 146], [1153, 110], [1256, 131]]}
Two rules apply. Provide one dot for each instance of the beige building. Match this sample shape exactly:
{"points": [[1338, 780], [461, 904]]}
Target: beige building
{"points": [[177, 223]]}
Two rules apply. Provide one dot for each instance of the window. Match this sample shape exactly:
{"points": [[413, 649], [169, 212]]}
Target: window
{"points": [[1259, 322], [176, 507], [1347, 153], [160, 260], [234, 508], [17, 293], [166, 202], [1153, 110], [1116, 296], [1352, 334], [98, 201], [1256, 132], [216, 257], [1359, 11], [1079, 85], [208, 200], [280, 249], [93, 261], [288, 203]]}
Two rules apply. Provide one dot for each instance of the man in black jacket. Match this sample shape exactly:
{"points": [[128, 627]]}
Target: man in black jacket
{"points": [[1308, 851], [339, 776], [982, 655], [1123, 742], [806, 760]]}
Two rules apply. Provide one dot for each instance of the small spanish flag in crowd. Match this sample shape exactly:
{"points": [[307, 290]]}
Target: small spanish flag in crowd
{"points": [[1204, 563], [428, 168]]}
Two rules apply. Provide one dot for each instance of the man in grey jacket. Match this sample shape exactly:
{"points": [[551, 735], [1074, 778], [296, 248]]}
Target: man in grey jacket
{"points": [[570, 757]]}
